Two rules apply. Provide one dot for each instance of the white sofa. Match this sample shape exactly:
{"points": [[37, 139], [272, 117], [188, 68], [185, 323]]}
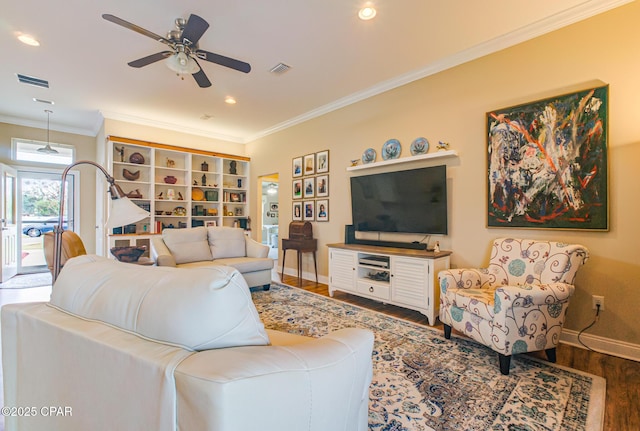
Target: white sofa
{"points": [[201, 247], [127, 347]]}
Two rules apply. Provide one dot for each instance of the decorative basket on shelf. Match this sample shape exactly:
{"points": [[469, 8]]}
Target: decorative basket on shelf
{"points": [[128, 254]]}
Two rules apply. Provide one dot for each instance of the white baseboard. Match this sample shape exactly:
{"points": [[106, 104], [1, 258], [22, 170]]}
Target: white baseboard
{"points": [[608, 346], [306, 275]]}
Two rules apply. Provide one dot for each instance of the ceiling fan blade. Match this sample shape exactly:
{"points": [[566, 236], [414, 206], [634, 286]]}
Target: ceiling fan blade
{"points": [[193, 30], [144, 61], [137, 29], [201, 78], [223, 61]]}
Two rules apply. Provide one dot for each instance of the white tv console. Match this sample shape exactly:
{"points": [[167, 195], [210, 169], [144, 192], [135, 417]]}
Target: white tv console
{"points": [[398, 276]]}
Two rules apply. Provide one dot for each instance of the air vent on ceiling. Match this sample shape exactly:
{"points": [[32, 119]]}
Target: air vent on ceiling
{"points": [[33, 81], [280, 68]]}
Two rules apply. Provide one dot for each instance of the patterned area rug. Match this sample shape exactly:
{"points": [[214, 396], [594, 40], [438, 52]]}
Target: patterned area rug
{"points": [[424, 382]]}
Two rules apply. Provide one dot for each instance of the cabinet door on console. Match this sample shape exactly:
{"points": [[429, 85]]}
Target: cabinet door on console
{"points": [[410, 281], [342, 271]]}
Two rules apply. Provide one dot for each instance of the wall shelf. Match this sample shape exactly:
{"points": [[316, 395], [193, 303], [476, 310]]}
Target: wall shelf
{"points": [[436, 155]]}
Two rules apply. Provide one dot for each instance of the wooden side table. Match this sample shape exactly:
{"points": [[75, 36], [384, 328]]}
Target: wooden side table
{"points": [[300, 246]]}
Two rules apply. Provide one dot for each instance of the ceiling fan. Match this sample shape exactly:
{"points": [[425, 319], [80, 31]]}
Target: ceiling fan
{"points": [[185, 53]]}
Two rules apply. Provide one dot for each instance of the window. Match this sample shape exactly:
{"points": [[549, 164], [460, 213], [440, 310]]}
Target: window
{"points": [[32, 151]]}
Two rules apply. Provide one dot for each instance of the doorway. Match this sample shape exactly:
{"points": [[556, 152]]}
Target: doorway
{"points": [[8, 223], [270, 211], [38, 206]]}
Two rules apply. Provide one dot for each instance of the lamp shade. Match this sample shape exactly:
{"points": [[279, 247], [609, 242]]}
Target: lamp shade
{"points": [[124, 212]]}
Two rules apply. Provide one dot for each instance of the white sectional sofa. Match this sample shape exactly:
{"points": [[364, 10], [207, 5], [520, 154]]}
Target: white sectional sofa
{"points": [[126, 347], [202, 247]]}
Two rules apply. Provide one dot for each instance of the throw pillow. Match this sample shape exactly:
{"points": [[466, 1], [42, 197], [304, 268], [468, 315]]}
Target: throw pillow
{"points": [[187, 245], [226, 242]]}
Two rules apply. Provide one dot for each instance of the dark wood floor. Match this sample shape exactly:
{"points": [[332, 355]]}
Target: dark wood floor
{"points": [[622, 405]]}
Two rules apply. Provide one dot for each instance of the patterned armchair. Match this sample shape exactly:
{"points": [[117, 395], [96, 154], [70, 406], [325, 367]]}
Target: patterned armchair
{"points": [[518, 303]]}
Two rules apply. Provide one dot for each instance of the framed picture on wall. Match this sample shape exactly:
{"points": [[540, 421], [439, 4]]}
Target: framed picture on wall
{"points": [[296, 169], [322, 210], [297, 189], [309, 210], [297, 211], [547, 163], [309, 164], [309, 187], [322, 162], [322, 186]]}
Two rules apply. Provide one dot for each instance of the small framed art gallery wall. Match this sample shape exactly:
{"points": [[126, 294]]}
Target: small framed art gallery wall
{"points": [[310, 187]]}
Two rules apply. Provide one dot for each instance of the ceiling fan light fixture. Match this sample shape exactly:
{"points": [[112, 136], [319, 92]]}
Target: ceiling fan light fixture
{"points": [[181, 63]]}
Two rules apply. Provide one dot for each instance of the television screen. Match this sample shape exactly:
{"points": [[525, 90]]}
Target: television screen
{"points": [[412, 201]]}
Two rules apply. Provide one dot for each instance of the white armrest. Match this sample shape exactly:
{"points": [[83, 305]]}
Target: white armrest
{"points": [[321, 384], [255, 249], [160, 253]]}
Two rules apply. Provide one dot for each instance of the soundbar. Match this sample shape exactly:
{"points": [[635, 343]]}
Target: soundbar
{"points": [[411, 245], [350, 238]]}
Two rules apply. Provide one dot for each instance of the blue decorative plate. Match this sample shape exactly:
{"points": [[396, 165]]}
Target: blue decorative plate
{"points": [[391, 149], [369, 156], [419, 146]]}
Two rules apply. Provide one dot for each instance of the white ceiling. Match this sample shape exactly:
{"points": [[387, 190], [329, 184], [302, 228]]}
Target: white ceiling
{"points": [[335, 58]]}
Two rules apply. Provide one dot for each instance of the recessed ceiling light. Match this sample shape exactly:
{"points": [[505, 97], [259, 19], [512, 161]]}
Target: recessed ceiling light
{"points": [[367, 12], [28, 39], [230, 100]]}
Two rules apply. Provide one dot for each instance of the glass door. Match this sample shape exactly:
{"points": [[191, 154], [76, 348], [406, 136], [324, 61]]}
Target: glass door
{"points": [[8, 232], [39, 206]]}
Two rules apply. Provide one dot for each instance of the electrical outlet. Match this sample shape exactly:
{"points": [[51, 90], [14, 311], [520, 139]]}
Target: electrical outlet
{"points": [[597, 300]]}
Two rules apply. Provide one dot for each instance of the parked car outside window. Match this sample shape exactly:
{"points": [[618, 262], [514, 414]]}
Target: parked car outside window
{"points": [[35, 228]]}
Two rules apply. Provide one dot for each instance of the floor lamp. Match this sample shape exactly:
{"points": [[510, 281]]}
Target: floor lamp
{"points": [[122, 212]]}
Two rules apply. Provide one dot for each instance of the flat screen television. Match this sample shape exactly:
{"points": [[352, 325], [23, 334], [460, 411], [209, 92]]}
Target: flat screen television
{"points": [[412, 201]]}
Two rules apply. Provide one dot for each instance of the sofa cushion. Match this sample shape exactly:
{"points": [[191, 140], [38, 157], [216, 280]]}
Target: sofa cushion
{"points": [[242, 264], [247, 264], [187, 245], [197, 309], [226, 242]]}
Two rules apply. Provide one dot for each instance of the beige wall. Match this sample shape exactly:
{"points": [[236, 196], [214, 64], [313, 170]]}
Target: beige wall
{"points": [[85, 150], [451, 106]]}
